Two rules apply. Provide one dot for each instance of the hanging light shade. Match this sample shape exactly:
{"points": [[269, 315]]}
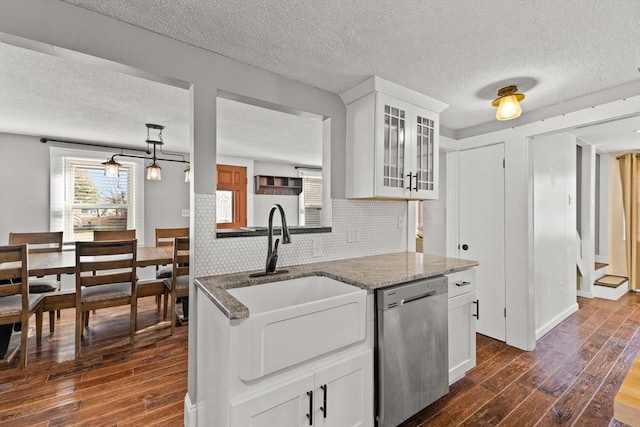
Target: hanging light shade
{"points": [[111, 168], [154, 172], [508, 103]]}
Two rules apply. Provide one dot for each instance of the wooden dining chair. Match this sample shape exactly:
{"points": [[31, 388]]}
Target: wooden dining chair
{"points": [[177, 286], [101, 235], [43, 242], [114, 261], [16, 304], [166, 237]]}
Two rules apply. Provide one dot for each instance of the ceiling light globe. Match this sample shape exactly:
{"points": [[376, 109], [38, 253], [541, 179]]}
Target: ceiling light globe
{"points": [[111, 168], [509, 108], [154, 172]]}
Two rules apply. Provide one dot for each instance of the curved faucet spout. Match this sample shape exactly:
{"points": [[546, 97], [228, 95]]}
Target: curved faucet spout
{"points": [[272, 250]]}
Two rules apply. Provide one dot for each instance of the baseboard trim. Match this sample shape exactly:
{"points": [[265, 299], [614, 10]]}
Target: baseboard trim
{"points": [[556, 321], [190, 416], [584, 294]]}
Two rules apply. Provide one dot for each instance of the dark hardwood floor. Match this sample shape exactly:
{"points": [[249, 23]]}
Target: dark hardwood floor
{"points": [[570, 379], [111, 383]]}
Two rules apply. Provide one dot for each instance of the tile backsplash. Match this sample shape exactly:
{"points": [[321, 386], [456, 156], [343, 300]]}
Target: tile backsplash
{"points": [[374, 223]]}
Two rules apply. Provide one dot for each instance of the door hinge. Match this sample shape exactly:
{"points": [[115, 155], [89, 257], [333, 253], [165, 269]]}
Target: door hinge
{"points": [[503, 163], [505, 312]]}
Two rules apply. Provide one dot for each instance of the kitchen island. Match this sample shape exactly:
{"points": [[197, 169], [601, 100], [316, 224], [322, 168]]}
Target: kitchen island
{"points": [[370, 273], [297, 348]]}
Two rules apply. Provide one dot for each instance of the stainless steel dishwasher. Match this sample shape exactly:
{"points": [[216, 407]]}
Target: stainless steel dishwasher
{"points": [[412, 349]]}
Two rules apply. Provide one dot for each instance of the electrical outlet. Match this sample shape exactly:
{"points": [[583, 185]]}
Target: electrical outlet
{"points": [[316, 247], [402, 222], [185, 213], [353, 234]]}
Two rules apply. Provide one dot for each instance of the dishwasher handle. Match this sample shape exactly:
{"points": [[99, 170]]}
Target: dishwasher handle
{"points": [[417, 297]]}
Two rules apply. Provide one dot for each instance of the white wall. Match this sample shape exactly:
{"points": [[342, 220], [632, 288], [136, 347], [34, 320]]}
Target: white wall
{"points": [[554, 228], [24, 178], [435, 215], [24, 185], [262, 202]]}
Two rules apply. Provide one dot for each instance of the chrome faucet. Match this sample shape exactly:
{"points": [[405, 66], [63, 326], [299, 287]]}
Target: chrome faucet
{"points": [[272, 252]]}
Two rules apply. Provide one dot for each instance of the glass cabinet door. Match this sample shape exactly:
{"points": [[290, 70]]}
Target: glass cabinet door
{"points": [[394, 135], [425, 131]]}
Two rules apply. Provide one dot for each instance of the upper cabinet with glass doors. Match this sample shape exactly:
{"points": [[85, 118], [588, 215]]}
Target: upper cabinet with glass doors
{"points": [[392, 142]]}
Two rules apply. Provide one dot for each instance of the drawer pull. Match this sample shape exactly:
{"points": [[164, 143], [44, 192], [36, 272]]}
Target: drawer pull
{"points": [[462, 283]]}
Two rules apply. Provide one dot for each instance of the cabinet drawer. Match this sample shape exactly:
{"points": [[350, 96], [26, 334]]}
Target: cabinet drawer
{"points": [[462, 282]]}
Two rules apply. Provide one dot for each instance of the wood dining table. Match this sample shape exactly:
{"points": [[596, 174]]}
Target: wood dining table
{"points": [[48, 263]]}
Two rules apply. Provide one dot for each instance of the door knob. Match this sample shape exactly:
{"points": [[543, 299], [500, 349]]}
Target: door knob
{"points": [[465, 247]]}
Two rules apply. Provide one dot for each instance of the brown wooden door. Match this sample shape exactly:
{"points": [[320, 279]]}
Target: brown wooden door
{"points": [[232, 196]]}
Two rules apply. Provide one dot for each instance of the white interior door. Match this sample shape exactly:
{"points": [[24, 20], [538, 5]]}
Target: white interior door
{"points": [[482, 232]]}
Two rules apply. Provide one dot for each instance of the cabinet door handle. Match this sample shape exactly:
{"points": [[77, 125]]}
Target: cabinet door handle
{"points": [[323, 408], [416, 187], [477, 315], [463, 283], [310, 414], [410, 181]]}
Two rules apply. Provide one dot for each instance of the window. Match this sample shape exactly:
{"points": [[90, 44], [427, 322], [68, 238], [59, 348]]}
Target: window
{"points": [[311, 201], [84, 200]]}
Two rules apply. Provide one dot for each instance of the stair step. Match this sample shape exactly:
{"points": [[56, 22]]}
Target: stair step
{"points": [[610, 281], [599, 265]]}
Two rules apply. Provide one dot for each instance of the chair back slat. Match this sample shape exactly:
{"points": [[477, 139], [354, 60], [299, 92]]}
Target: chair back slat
{"points": [[12, 289], [105, 265], [101, 235], [166, 236], [16, 273], [13, 274], [103, 279], [38, 242], [107, 247]]}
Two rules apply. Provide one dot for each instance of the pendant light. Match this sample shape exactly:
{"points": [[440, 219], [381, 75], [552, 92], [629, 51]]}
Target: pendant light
{"points": [[508, 103], [154, 171], [111, 167]]}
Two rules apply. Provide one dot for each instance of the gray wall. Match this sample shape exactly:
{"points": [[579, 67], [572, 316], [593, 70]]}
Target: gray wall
{"points": [[24, 185], [24, 182]]}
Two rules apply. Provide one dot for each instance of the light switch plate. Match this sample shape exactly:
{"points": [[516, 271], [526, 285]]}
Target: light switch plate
{"points": [[185, 213]]}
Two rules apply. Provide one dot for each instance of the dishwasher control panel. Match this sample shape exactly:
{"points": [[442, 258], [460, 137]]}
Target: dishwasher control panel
{"points": [[396, 296]]}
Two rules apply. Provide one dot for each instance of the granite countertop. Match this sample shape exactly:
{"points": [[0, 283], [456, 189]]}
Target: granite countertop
{"points": [[371, 272]]}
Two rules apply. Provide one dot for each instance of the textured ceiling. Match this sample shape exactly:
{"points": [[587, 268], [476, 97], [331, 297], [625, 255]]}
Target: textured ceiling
{"points": [[46, 95], [457, 51]]}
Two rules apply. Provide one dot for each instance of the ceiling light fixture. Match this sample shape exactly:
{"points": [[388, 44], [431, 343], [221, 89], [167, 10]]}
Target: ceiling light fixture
{"points": [[154, 171], [508, 103]]}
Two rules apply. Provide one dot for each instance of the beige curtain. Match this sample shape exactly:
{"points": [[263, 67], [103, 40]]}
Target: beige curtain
{"points": [[630, 176]]}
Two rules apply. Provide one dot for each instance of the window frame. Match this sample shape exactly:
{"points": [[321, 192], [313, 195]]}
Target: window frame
{"points": [[61, 208]]}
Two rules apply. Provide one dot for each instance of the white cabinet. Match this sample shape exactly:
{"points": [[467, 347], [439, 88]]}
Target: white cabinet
{"points": [[340, 395], [462, 323], [392, 142]]}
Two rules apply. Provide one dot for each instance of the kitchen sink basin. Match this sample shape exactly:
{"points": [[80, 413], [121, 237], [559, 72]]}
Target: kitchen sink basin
{"points": [[294, 320]]}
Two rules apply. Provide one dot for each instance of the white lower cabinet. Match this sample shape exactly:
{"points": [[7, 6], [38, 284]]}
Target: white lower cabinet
{"points": [[339, 394], [462, 324]]}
